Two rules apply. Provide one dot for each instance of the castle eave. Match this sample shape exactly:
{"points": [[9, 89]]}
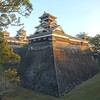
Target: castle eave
{"points": [[75, 40], [39, 37], [48, 36]]}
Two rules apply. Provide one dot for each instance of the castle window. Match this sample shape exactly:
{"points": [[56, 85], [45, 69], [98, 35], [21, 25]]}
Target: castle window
{"points": [[37, 33], [34, 40], [44, 31], [44, 38], [39, 39]]}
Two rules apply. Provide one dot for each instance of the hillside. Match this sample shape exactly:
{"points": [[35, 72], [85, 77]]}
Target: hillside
{"points": [[89, 90]]}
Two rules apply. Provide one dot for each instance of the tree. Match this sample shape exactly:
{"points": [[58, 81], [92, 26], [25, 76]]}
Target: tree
{"points": [[6, 53], [10, 78], [9, 12], [83, 35], [9, 9], [96, 42], [9, 82]]}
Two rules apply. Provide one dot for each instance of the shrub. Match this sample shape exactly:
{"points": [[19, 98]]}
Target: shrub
{"points": [[9, 82]]}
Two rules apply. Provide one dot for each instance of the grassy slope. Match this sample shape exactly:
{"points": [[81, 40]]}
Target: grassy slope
{"points": [[89, 90]]}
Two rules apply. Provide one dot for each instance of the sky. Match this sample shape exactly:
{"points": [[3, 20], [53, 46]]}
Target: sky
{"points": [[73, 16]]}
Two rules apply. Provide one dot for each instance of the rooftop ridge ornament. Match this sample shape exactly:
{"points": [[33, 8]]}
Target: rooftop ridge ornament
{"points": [[47, 14]]}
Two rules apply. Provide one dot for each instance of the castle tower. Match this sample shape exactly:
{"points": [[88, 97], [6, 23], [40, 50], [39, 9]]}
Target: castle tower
{"points": [[21, 36], [55, 62], [51, 31], [47, 21]]}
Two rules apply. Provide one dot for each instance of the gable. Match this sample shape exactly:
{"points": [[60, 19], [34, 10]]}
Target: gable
{"points": [[40, 29], [58, 30]]}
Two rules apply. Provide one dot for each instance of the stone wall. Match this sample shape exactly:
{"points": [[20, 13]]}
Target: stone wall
{"points": [[96, 57], [55, 68], [73, 66], [38, 70]]}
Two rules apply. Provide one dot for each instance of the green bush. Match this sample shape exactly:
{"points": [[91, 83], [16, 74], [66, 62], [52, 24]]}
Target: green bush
{"points": [[9, 82]]}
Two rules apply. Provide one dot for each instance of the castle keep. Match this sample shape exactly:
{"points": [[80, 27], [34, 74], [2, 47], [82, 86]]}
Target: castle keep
{"points": [[49, 30], [55, 62]]}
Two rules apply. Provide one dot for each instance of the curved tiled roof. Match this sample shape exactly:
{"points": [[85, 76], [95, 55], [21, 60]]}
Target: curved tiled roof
{"points": [[46, 14], [12, 39]]}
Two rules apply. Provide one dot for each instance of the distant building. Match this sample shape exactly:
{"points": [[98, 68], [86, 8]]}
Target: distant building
{"points": [[20, 38], [10, 40]]}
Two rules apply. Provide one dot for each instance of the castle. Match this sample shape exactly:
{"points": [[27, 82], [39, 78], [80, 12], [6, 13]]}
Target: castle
{"points": [[49, 30], [55, 62], [19, 39]]}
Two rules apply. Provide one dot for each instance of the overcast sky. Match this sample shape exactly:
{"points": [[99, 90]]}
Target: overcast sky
{"points": [[74, 16]]}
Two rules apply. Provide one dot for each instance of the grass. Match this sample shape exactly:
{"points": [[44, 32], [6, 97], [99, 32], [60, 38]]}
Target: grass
{"points": [[89, 90]]}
